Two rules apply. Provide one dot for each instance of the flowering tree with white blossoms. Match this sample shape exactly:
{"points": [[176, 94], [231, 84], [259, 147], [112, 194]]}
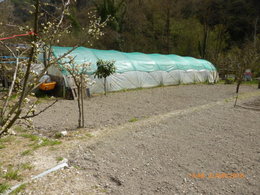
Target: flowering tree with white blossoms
{"points": [[42, 36], [79, 74]]}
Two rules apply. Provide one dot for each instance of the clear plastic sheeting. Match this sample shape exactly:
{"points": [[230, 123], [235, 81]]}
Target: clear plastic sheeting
{"points": [[139, 70], [137, 79]]}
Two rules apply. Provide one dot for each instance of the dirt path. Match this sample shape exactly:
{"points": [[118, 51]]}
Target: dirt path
{"points": [[164, 154]]}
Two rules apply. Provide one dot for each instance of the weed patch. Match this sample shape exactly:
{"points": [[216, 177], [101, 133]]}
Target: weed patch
{"points": [[58, 159], [3, 187], [12, 174], [46, 142], [30, 136], [2, 146], [26, 152], [26, 166], [89, 135], [133, 120]]}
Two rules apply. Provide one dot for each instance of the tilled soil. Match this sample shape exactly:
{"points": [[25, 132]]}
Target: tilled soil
{"points": [[162, 158], [118, 108], [173, 152]]}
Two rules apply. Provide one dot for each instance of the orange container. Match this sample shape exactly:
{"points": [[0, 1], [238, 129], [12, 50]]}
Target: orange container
{"points": [[47, 86]]}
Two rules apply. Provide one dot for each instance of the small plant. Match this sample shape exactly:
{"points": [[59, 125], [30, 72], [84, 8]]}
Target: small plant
{"points": [[7, 139], [89, 135], [133, 120], [26, 152], [30, 136], [2, 146], [12, 174], [230, 79], [58, 135], [45, 142], [58, 159], [105, 69], [26, 166], [3, 187]]}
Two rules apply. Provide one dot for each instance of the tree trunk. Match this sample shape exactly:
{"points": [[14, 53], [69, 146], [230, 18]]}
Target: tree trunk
{"points": [[105, 85], [79, 106], [82, 100], [237, 89]]}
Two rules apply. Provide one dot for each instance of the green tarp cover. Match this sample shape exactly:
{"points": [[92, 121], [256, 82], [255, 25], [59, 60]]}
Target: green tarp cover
{"points": [[135, 61]]}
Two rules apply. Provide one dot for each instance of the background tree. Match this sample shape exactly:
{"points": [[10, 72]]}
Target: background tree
{"points": [[243, 59], [105, 69]]}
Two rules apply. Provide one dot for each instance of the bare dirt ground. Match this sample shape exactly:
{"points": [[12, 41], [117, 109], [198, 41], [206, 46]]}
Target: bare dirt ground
{"points": [[180, 142], [119, 108]]}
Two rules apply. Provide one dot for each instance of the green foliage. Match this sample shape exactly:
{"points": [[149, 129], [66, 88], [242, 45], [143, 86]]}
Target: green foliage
{"points": [[58, 135], [104, 68], [26, 152], [7, 139], [4, 187], [114, 9], [12, 174], [58, 159], [133, 120], [46, 142], [2, 146], [89, 135], [31, 137], [26, 166], [229, 80]]}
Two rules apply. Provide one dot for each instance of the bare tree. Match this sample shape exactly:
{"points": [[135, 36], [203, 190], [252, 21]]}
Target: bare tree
{"points": [[243, 59]]}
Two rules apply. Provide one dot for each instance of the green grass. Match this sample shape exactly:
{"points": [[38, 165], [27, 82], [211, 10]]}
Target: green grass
{"points": [[26, 152], [12, 174], [19, 129], [7, 139], [30, 136], [133, 120], [89, 135], [13, 97], [4, 187], [2, 146], [39, 142], [253, 82], [58, 159], [58, 135], [46, 142], [26, 166], [18, 190]]}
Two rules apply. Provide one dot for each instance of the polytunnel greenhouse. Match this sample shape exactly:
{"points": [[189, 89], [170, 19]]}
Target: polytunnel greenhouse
{"points": [[139, 70]]}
